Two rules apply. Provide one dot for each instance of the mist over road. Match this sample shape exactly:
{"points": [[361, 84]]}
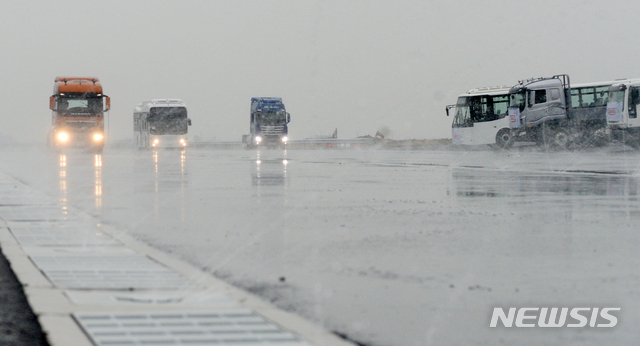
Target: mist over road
{"points": [[388, 247]]}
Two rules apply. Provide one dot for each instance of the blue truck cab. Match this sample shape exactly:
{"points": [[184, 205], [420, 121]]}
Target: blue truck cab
{"points": [[269, 120]]}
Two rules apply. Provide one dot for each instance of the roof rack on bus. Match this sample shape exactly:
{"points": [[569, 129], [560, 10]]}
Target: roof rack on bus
{"points": [[488, 89]]}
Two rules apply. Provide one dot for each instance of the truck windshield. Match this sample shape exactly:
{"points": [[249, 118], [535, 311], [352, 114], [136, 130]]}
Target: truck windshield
{"points": [[271, 118], [518, 99], [80, 105], [168, 120]]}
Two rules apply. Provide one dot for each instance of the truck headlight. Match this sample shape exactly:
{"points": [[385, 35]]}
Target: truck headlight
{"points": [[98, 137], [258, 139], [285, 139], [63, 136]]}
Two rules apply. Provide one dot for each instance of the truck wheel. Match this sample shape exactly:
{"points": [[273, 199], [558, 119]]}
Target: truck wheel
{"points": [[631, 139], [553, 137], [560, 139], [600, 138], [504, 138]]}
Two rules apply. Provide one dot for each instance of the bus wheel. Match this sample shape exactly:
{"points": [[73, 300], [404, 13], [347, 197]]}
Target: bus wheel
{"points": [[504, 138]]}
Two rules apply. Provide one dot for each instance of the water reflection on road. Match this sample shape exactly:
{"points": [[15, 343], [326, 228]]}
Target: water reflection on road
{"points": [[63, 183], [606, 195], [390, 247], [491, 183], [98, 181], [163, 175], [72, 176], [270, 171]]}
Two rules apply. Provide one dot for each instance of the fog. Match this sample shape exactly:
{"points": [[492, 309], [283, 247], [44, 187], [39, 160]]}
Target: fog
{"points": [[359, 66]]}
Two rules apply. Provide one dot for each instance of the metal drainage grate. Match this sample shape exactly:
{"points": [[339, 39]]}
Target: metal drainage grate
{"points": [[183, 298], [103, 271], [50, 233], [236, 327]]}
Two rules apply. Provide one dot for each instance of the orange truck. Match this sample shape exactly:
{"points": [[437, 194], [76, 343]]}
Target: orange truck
{"points": [[78, 113]]}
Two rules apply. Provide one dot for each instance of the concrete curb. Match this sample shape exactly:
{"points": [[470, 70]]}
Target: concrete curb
{"points": [[58, 307]]}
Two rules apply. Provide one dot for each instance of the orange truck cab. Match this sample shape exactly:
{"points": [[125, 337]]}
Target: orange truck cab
{"points": [[78, 113]]}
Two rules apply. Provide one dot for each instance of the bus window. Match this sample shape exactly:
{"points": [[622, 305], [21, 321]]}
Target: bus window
{"points": [[486, 113], [475, 109], [587, 97], [601, 96], [500, 106], [575, 98]]}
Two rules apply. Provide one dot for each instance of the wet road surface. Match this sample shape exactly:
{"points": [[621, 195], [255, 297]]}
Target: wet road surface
{"points": [[386, 247]]}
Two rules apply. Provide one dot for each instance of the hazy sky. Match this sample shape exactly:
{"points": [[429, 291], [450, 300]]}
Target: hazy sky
{"points": [[358, 66]]}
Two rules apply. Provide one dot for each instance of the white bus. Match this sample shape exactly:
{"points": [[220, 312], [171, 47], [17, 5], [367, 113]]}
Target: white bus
{"points": [[622, 111], [480, 117], [161, 123]]}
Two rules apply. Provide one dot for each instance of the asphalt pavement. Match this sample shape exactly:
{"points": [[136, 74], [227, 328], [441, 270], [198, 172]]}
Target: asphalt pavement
{"points": [[385, 247]]}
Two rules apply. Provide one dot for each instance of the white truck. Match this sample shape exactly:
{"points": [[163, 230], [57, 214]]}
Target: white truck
{"points": [[552, 112]]}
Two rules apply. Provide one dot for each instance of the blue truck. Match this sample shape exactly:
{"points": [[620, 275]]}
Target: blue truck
{"points": [[269, 123]]}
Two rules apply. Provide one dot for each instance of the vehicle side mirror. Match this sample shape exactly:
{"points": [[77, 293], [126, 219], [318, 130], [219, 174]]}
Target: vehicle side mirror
{"points": [[288, 118], [52, 103], [107, 103], [188, 121], [449, 107]]}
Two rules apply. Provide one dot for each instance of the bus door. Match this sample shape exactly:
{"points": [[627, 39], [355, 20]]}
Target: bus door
{"points": [[462, 127], [145, 130], [634, 106], [491, 117]]}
